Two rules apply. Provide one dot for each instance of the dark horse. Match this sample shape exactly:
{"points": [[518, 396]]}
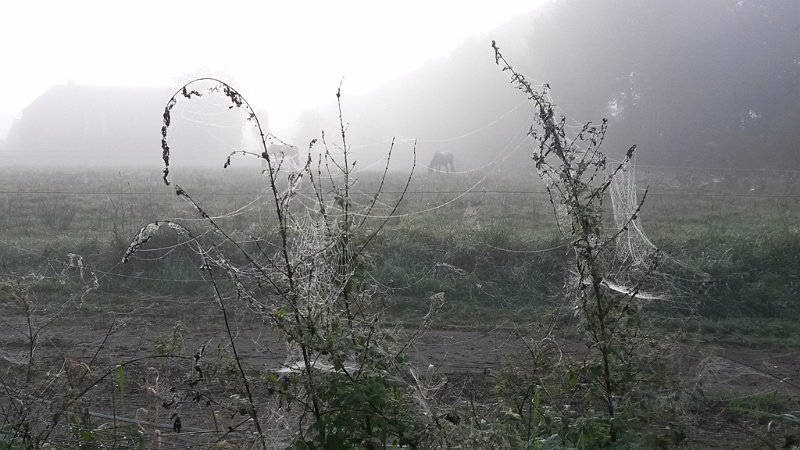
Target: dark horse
{"points": [[440, 160]]}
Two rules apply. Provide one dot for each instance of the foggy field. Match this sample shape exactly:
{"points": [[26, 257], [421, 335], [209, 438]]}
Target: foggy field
{"points": [[488, 225], [487, 241], [514, 225]]}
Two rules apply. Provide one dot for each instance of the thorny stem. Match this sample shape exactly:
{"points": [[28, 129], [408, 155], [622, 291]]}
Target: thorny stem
{"points": [[32, 337], [281, 212], [574, 185], [231, 340], [345, 258], [301, 325], [399, 200], [605, 347]]}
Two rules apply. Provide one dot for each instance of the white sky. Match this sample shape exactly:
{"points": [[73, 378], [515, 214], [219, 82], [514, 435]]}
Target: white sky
{"points": [[284, 56]]}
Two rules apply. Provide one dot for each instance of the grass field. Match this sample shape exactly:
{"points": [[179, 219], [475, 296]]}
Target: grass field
{"points": [[487, 240], [492, 233]]}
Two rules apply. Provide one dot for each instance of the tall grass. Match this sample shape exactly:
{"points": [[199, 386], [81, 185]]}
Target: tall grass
{"points": [[748, 244]]}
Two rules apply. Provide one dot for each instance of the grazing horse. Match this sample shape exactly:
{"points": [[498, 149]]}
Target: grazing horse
{"points": [[442, 159], [284, 156]]}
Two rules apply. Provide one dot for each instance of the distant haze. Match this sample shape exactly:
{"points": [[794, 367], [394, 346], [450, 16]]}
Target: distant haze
{"points": [[703, 84], [692, 83], [285, 56]]}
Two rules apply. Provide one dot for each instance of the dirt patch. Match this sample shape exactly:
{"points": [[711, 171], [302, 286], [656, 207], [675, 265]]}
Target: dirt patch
{"points": [[98, 345]]}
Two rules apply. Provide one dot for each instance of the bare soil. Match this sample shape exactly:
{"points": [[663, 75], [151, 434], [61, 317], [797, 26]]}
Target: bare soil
{"points": [[712, 371]]}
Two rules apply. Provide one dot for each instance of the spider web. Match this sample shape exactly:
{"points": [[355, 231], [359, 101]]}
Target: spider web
{"points": [[321, 254], [638, 266]]}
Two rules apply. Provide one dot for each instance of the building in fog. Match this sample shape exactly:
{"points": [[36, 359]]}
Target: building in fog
{"points": [[72, 124]]}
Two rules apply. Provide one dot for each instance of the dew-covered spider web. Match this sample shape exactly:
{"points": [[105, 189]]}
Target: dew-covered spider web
{"points": [[321, 254], [638, 267]]}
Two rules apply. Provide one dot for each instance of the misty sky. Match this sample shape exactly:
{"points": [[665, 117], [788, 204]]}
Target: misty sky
{"points": [[283, 56]]}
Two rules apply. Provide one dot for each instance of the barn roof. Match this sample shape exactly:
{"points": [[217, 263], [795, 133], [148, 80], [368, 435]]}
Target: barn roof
{"points": [[87, 96], [70, 122]]}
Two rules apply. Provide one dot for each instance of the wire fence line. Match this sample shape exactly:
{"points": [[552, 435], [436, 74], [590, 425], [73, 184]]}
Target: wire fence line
{"points": [[651, 192]]}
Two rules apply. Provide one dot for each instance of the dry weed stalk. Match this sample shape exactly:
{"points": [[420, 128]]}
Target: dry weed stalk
{"points": [[345, 368], [620, 358]]}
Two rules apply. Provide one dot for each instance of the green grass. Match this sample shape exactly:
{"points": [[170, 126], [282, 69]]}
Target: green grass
{"points": [[751, 332], [496, 256]]}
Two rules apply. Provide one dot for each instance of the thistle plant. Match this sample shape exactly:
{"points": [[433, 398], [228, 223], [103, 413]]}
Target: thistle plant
{"points": [[578, 177], [303, 279]]}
